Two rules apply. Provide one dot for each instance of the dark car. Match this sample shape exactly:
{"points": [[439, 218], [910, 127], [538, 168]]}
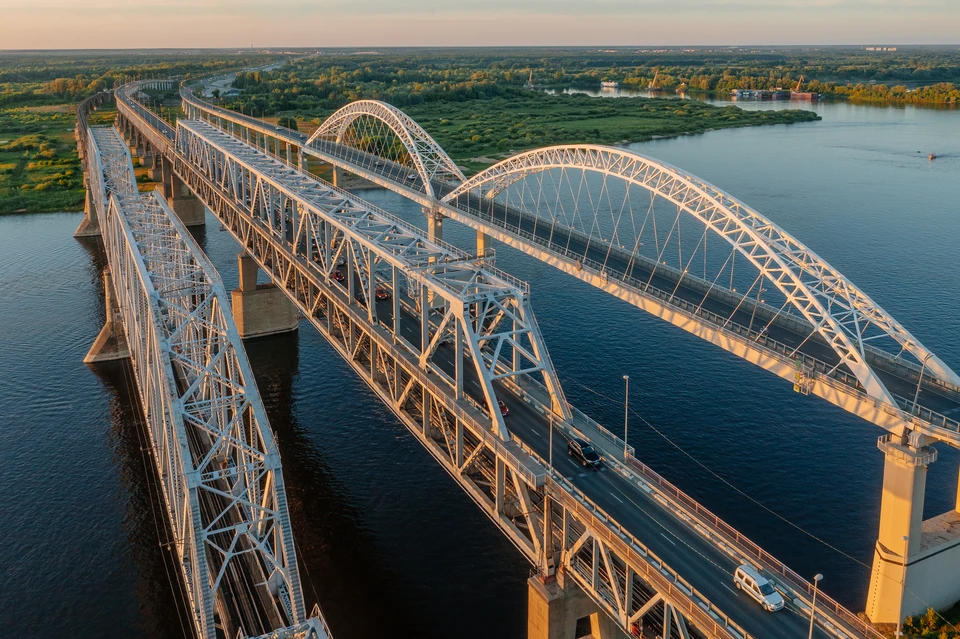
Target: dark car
{"points": [[337, 275], [583, 452], [504, 409]]}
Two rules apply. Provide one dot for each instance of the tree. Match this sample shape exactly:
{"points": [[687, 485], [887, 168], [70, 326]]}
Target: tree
{"points": [[288, 121]]}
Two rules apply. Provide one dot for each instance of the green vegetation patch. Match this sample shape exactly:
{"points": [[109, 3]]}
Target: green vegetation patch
{"points": [[479, 131], [39, 165]]}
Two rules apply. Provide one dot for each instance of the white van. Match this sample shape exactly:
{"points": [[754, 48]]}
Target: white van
{"points": [[756, 585]]}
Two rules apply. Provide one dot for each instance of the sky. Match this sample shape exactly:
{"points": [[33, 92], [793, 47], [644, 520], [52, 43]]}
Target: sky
{"points": [[79, 24]]}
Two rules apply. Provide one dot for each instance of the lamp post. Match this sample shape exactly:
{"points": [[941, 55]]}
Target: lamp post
{"points": [[920, 381], [903, 586], [813, 607], [626, 414]]}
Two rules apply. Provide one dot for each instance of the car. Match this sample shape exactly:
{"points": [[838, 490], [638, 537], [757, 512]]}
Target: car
{"points": [[378, 163], [337, 275], [504, 409], [749, 580], [583, 452], [411, 177], [381, 293]]}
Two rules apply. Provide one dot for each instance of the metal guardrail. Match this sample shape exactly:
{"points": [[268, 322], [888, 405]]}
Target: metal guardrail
{"points": [[748, 548]]}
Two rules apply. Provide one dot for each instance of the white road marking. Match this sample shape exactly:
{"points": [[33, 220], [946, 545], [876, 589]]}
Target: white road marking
{"points": [[668, 539], [730, 589], [537, 434], [617, 498]]}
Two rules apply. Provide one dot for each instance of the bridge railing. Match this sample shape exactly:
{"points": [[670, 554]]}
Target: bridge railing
{"points": [[747, 549]]}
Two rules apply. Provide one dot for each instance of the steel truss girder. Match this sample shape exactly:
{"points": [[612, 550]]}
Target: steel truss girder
{"points": [[495, 472], [429, 159], [451, 294], [213, 449], [822, 295]]}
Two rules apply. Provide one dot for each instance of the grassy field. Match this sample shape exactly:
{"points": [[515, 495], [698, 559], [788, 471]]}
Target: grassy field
{"points": [[39, 166], [475, 132]]}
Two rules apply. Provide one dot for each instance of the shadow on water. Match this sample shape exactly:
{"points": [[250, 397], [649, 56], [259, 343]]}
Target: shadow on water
{"points": [[339, 562], [159, 589]]}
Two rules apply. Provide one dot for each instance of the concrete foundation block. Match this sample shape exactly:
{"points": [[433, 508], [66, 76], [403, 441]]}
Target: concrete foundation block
{"points": [[111, 343], [263, 311], [554, 608], [189, 209], [90, 224]]}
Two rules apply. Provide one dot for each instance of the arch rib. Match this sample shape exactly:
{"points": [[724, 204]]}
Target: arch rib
{"points": [[817, 290], [429, 159]]}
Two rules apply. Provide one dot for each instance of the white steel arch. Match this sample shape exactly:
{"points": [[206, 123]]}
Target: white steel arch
{"points": [[431, 161], [836, 308]]}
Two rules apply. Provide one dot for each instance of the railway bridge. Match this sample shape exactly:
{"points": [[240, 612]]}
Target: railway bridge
{"points": [[444, 338]]}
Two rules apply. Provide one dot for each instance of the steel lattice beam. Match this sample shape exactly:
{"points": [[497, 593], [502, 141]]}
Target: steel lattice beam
{"points": [[214, 451]]}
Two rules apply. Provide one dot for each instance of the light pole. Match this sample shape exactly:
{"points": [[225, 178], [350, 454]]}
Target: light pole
{"points": [[903, 586], [920, 381], [626, 414], [813, 607]]}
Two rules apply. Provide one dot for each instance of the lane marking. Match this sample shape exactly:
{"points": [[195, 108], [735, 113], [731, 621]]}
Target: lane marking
{"points": [[537, 434], [617, 498], [730, 589], [668, 539]]}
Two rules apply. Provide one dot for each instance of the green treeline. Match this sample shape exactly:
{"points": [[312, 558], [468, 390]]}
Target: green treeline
{"points": [[328, 81]]}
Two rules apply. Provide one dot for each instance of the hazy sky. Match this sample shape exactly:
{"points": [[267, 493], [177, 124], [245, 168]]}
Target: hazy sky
{"points": [[41, 24]]}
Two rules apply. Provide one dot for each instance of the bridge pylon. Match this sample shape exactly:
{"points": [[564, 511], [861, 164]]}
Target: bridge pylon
{"points": [[111, 343], [914, 563], [260, 310], [184, 203]]}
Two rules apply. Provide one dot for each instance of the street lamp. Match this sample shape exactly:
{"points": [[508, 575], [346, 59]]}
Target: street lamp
{"points": [[813, 607], [903, 586], [626, 414]]}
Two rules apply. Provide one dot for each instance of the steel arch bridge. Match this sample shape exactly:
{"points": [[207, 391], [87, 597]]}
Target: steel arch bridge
{"points": [[360, 125], [833, 305]]}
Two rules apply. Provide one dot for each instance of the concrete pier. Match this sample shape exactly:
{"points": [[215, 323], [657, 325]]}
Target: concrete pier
{"points": [[434, 225], [185, 204], [558, 609], [90, 224], [260, 310], [111, 343], [914, 563]]}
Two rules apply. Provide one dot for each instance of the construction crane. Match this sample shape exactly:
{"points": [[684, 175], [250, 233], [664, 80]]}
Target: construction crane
{"points": [[796, 89]]}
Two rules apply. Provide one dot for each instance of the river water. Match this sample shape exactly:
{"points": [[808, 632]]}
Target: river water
{"points": [[389, 545]]}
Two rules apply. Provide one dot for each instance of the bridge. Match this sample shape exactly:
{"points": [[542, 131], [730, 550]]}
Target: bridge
{"points": [[442, 336], [213, 450]]}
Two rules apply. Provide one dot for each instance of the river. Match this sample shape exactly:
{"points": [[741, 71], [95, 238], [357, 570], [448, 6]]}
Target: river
{"points": [[389, 544]]}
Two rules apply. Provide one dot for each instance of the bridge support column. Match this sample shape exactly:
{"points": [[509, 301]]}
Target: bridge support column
{"points": [[111, 343], [434, 224], [558, 610], [335, 179], [260, 310], [914, 560], [483, 243], [187, 206], [156, 169], [89, 225]]}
